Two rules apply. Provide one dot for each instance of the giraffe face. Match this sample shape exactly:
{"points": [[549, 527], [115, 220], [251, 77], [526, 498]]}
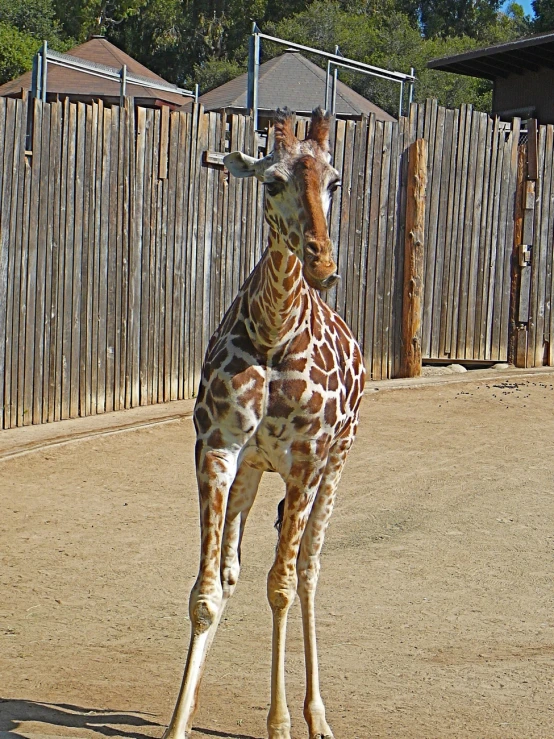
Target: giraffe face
{"points": [[299, 181]]}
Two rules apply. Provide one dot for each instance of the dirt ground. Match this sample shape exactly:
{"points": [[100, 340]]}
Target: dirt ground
{"points": [[436, 600]]}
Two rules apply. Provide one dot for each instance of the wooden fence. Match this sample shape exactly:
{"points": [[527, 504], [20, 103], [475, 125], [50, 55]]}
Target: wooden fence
{"points": [[123, 242]]}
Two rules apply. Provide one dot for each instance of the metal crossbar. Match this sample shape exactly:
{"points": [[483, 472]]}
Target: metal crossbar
{"points": [[336, 60], [45, 56]]}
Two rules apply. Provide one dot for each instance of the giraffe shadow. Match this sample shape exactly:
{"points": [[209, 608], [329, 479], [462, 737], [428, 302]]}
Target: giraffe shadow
{"points": [[221, 734], [109, 723]]}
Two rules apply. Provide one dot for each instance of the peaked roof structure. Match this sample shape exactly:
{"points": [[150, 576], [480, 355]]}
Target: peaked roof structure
{"points": [[80, 85], [293, 81]]}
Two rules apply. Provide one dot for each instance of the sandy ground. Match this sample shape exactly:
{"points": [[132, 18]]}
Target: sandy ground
{"points": [[436, 600]]}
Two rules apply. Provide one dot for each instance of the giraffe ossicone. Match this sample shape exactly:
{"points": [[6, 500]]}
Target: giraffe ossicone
{"points": [[281, 387]]}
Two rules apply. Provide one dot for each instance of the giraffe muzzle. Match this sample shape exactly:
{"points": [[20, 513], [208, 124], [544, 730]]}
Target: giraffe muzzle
{"points": [[330, 281]]}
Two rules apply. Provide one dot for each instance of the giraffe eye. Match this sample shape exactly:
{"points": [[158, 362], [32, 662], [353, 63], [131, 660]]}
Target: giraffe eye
{"points": [[274, 188]]}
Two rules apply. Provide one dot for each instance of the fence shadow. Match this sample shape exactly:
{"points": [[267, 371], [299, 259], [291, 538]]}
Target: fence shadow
{"points": [[15, 712]]}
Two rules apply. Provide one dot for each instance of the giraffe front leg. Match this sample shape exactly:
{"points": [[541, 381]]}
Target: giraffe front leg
{"points": [[308, 567], [281, 589], [215, 471]]}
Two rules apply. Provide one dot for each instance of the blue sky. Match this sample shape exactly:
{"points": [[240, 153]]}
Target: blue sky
{"points": [[526, 4]]}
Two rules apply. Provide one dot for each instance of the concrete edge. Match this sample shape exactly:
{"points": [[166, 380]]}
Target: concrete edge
{"points": [[28, 439]]}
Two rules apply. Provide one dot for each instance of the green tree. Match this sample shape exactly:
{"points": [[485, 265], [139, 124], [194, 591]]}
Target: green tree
{"points": [[24, 25], [16, 52], [544, 16]]}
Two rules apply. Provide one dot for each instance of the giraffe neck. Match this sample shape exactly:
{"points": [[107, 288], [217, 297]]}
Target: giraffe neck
{"points": [[277, 295]]}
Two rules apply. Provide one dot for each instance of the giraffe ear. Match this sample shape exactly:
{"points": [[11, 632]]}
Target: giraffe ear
{"points": [[319, 128], [284, 130], [239, 164]]}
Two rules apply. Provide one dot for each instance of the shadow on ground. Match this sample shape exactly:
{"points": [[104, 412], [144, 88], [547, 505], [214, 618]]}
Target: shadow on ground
{"points": [[14, 713]]}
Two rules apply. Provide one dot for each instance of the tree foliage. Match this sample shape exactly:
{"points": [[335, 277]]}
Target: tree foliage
{"points": [[205, 41]]}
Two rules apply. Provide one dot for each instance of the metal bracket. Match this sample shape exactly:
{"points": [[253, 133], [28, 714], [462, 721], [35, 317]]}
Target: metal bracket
{"points": [[524, 255]]}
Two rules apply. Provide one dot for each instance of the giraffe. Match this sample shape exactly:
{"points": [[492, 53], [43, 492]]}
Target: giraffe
{"points": [[280, 391]]}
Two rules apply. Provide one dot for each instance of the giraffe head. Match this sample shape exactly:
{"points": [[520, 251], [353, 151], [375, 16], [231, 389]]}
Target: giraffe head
{"points": [[299, 180]]}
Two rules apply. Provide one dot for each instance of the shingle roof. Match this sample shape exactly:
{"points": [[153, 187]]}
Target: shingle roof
{"points": [[501, 60], [63, 81], [293, 81]]}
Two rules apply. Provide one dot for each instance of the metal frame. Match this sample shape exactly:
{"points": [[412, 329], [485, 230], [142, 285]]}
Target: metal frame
{"points": [[44, 57], [333, 60]]}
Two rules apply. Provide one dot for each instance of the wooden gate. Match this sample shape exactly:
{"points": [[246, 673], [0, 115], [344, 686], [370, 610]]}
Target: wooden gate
{"points": [[533, 288], [469, 234]]}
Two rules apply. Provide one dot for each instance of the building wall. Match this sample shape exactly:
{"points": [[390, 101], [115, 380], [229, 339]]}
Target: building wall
{"points": [[528, 90]]}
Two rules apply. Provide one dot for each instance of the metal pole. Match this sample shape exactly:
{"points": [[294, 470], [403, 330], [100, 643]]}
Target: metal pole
{"points": [[327, 80], [401, 96], [44, 70], [335, 79], [35, 81], [196, 92], [256, 73], [123, 89], [411, 93]]}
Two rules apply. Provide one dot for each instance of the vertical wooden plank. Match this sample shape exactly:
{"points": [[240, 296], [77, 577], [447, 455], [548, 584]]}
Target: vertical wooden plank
{"points": [[373, 212], [129, 231], [549, 297], [56, 295], [513, 143], [174, 237], [446, 225], [150, 262], [191, 248], [336, 207], [135, 258], [386, 363], [205, 313], [14, 266], [32, 264], [496, 253], [486, 226], [475, 242], [363, 218], [463, 168], [112, 377], [5, 334], [201, 293], [21, 367], [164, 142], [78, 288], [354, 245], [181, 229], [542, 245], [40, 317], [349, 181], [121, 265], [379, 349], [68, 282], [86, 162], [434, 131], [464, 297]]}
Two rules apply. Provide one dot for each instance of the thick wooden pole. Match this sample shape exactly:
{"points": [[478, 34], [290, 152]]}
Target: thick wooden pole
{"points": [[412, 306]]}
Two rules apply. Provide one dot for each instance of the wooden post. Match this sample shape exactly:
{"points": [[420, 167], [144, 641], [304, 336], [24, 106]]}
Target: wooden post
{"points": [[412, 306], [517, 344]]}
